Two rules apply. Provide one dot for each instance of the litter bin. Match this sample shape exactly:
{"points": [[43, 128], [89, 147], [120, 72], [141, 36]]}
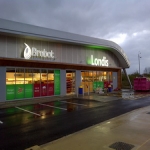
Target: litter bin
{"points": [[80, 90], [109, 89]]}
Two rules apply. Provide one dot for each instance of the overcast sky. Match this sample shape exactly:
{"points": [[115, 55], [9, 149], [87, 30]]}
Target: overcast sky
{"points": [[126, 22]]}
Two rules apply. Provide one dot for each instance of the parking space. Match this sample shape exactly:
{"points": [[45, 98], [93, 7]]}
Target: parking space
{"points": [[25, 114]]}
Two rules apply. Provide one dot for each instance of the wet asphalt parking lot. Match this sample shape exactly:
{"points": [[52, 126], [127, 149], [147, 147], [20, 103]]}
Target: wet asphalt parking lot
{"points": [[24, 126], [28, 113]]}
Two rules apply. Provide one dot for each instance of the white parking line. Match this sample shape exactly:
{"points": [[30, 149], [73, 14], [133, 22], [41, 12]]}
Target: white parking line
{"points": [[52, 106], [28, 111], [72, 103], [1, 122]]}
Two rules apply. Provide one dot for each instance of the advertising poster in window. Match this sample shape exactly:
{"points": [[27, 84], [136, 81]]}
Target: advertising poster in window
{"points": [[28, 90], [50, 89], [10, 92], [44, 89], [19, 91], [98, 84], [57, 82], [37, 90]]}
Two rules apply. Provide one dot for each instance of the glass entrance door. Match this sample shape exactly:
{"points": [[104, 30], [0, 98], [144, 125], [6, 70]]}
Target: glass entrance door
{"points": [[70, 82]]}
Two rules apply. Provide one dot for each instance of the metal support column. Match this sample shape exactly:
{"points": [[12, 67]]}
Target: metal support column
{"points": [[127, 77]]}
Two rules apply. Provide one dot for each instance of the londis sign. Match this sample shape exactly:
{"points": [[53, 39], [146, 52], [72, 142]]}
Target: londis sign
{"points": [[33, 52], [97, 62]]}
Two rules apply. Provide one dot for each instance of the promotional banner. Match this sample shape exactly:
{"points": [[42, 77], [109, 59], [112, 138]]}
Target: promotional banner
{"points": [[19, 91], [50, 89], [37, 90], [57, 82], [10, 92], [28, 90]]}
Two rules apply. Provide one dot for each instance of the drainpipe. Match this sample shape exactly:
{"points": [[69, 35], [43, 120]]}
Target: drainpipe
{"points": [[127, 77]]}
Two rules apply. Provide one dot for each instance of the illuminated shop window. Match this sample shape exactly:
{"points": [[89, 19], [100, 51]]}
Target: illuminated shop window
{"points": [[19, 76], [44, 76], [10, 76]]}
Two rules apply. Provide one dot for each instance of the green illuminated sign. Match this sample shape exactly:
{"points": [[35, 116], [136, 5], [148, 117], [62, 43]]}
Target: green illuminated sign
{"points": [[57, 82], [97, 62], [98, 47]]}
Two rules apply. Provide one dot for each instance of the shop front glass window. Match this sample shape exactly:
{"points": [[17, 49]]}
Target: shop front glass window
{"points": [[86, 81], [10, 76], [44, 76], [90, 80], [36, 82], [110, 76], [28, 83], [50, 83], [70, 81], [10, 83], [82, 78], [20, 80]]}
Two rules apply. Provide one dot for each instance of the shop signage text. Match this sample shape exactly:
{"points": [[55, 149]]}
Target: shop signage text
{"points": [[33, 52], [98, 62]]}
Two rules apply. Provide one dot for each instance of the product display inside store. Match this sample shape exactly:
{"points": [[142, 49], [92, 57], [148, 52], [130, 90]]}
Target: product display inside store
{"points": [[70, 82], [91, 80]]}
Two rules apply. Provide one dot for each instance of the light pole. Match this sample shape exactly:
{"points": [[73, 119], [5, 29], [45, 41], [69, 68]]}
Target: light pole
{"points": [[139, 60]]}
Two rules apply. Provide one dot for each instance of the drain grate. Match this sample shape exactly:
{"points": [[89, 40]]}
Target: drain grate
{"points": [[148, 113], [121, 146]]}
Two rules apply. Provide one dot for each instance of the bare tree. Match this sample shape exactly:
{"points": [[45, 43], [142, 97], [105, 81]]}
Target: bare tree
{"points": [[147, 70]]}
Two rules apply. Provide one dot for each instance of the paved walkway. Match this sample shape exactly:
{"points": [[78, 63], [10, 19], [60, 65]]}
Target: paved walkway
{"points": [[130, 131]]}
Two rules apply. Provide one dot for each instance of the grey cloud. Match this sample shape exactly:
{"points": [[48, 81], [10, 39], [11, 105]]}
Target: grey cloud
{"points": [[97, 18]]}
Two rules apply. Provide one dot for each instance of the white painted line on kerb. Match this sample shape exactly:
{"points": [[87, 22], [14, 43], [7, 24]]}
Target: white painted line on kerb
{"points": [[28, 111], [1, 122], [52, 106], [72, 103]]}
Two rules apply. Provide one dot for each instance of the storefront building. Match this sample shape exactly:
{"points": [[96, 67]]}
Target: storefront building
{"points": [[37, 62]]}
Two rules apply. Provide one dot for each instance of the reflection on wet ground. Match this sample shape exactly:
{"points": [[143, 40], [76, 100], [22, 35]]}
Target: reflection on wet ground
{"points": [[28, 113], [22, 129]]}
